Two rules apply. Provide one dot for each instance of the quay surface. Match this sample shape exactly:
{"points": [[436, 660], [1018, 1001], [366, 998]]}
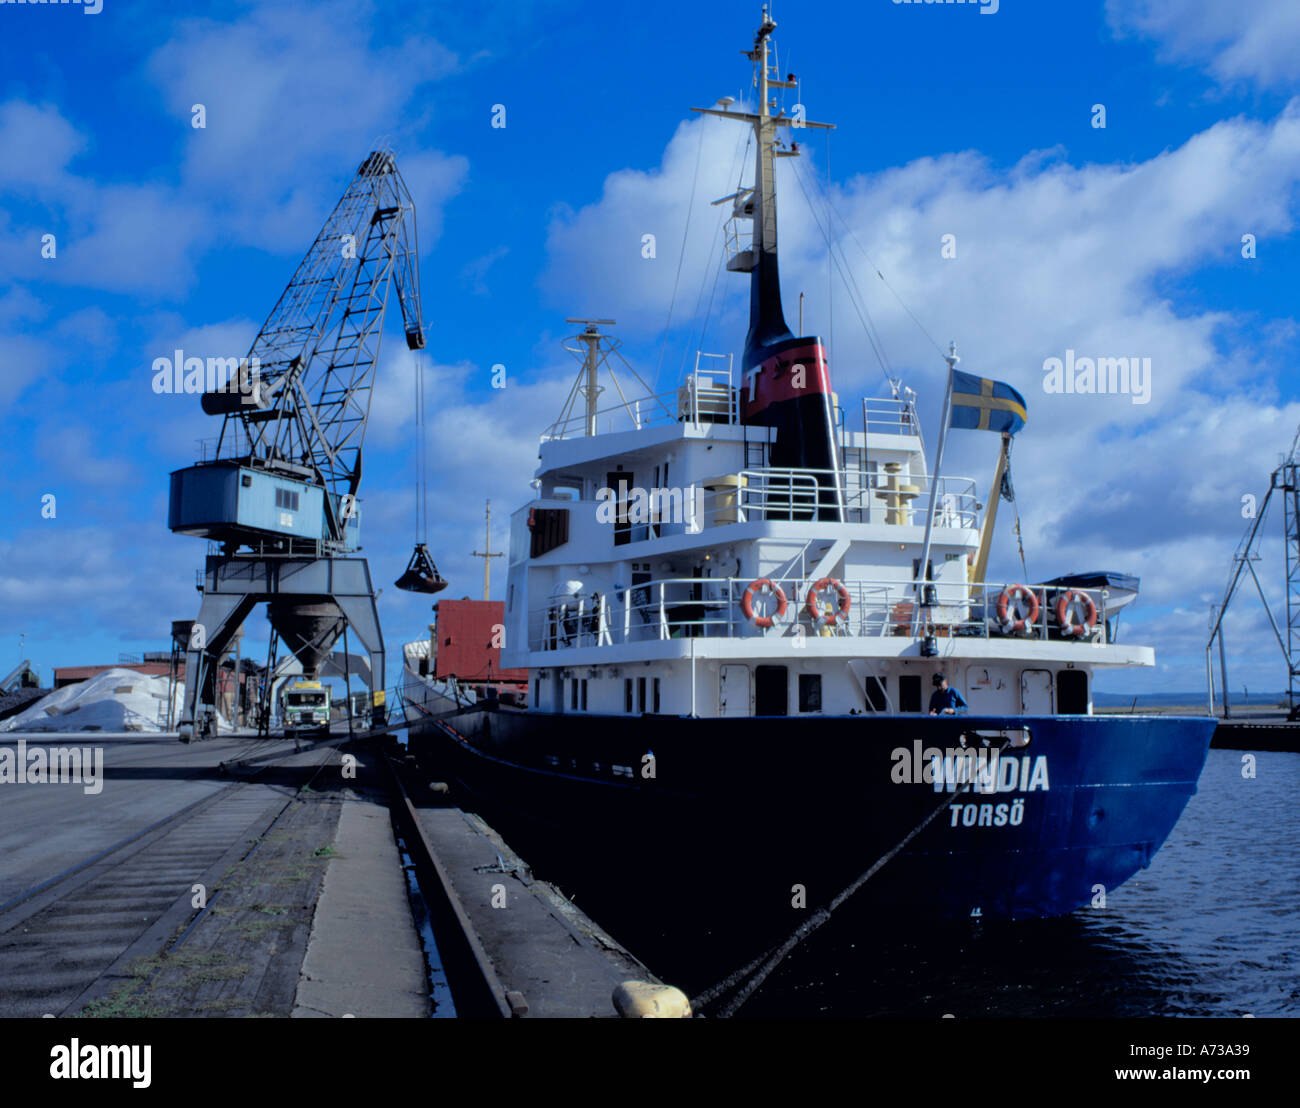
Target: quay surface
{"points": [[238, 877]]}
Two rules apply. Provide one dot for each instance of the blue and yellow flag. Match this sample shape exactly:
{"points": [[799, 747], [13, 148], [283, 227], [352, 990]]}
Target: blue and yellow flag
{"points": [[980, 404]]}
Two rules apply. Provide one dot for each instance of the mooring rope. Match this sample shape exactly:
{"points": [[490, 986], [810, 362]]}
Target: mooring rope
{"points": [[761, 967]]}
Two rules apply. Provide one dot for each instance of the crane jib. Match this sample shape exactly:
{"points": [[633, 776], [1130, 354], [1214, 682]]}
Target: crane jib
{"points": [[317, 354]]}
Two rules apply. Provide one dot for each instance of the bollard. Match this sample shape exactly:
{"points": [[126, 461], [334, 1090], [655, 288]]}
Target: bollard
{"points": [[642, 1000]]}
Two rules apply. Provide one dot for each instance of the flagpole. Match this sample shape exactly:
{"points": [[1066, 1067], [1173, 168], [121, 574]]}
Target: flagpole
{"points": [[921, 576]]}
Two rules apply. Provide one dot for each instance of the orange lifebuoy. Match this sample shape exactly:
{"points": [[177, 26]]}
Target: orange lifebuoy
{"points": [[1008, 595], [814, 609], [765, 584], [1068, 626]]}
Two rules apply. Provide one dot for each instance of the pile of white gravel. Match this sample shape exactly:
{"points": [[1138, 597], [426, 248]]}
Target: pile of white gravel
{"points": [[115, 700]]}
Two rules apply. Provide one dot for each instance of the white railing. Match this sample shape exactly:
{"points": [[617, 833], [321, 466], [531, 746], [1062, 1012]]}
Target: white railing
{"points": [[632, 415], [711, 607], [890, 417], [712, 396], [757, 495], [706, 396]]}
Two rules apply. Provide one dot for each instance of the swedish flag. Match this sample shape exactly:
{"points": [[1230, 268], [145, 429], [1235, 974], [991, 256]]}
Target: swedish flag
{"points": [[980, 404]]}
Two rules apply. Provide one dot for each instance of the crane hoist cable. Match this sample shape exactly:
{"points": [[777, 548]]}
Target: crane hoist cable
{"points": [[421, 478], [421, 574]]}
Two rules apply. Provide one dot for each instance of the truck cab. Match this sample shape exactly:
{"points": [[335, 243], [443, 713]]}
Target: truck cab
{"points": [[305, 708]]}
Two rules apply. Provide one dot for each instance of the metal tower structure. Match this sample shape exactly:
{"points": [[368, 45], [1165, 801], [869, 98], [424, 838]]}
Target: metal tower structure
{"points": [[279, 497], [1285, 481]]}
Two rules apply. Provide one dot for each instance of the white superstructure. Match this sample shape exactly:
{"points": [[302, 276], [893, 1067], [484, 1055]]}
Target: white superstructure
{"points": [[628, 573]]}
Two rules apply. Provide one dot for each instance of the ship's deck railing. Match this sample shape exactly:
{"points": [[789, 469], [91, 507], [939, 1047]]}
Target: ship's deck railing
{"points": [[808, 494], [714, 396], [756, 495], [706, 396], [887, 416], [711, 607]]}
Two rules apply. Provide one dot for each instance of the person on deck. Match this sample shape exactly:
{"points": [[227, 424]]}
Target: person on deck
{"points": [[945, 701]]}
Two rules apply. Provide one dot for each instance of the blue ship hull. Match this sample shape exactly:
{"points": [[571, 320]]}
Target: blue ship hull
{"points": [[743, 813]]}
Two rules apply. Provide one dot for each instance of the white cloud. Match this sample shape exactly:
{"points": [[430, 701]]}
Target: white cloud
{"points": [[23, 360], [1243, 40], [37, 143], [292, 104], [107, 235], [474, 273], [597, 264], [66, 579]]}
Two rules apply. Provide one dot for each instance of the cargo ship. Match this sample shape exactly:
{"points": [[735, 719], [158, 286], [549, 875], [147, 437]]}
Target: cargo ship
{"points": [[734, 602]]}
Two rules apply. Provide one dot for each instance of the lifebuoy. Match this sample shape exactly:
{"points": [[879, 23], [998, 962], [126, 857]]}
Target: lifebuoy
{"points": [[814, 609], [1068, 626], [764, 584], [1013, 593]]}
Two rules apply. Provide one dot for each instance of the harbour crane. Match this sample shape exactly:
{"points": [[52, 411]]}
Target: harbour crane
{"points": [[1285, 481], [277, 499]]}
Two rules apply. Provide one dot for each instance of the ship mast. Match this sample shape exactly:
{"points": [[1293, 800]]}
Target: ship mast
{"points": [[766, 317], [487, 553]]}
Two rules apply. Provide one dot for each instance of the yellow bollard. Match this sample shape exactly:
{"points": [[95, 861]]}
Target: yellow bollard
{"points": [[635, 1000]]}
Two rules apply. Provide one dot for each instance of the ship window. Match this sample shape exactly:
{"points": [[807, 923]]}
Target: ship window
{"points": [[548, 528], [1072, 692], [909, 692], [810, 692], [584, 694], [287, 499], [573, 698], [627, 694], [877, 696], [640, 694], [537, 692], [929, 571], [567, 488], [771, 691], [655, 708]]}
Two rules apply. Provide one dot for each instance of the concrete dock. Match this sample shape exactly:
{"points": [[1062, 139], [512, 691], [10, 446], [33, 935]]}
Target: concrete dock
{"points": [[550, 958], [238, 877], [364, 956]]}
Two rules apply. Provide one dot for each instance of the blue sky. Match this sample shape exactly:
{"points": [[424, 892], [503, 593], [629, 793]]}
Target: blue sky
{"points": [[1114, 241]]}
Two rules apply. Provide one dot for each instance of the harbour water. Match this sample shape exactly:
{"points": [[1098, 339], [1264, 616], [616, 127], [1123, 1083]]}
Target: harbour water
{"points": [[1211, 928]]}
